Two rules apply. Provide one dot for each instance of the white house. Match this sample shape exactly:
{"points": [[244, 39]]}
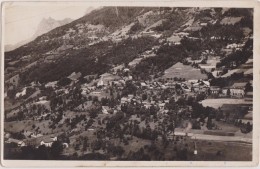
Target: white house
{"points": [[124, 100], [161, 106], [100, 82], [238, 90], [19, 143], [105, 109], [48, 141]]}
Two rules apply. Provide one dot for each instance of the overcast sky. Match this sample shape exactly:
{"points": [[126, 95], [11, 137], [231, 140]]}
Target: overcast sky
{"points": [[22, 19]]}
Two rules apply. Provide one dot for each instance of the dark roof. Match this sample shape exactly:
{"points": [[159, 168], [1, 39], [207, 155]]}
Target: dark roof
{"points": [[239, 85], [48, 140]]}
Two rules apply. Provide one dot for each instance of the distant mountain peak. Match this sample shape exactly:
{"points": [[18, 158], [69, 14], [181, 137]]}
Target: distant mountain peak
{"points": [[48, 24], [44, 26]]}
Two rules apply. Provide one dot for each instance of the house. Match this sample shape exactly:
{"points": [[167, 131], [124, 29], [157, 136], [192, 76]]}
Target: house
{"points": [[7, 135], [105, 109], [107, 79], [130, 78], [166, 101], [185, 87], [95, 93], [93, 38], [48, 141], [100, 82], [143, 85], [126, 70], [22, 93], [27, 134], [124, 100], [35, 135], [130, 97], [147, 105], [65, 145], [215, 90], [201, 87], [225, 91], [238, 90], [148, 33], [19, 143], [161, 106], [203, 24]]}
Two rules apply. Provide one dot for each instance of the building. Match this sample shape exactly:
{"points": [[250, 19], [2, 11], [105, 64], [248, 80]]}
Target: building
{"points": [[100, 82], [48, 141], [161, 106], [238, 90], [143, 85], [215, 90], [124, 100], [225, 91], [19, 143], [201, 87], [106, 109], [148, 33], [107, 79]]}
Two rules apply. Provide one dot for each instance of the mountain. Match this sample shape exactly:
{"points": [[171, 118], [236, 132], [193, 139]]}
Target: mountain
{"points": [[110, 36], [48, 24], [44, 26]]}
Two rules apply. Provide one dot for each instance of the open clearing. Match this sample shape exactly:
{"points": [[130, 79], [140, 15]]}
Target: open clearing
{"points": [[216, 103], [180, 70]]}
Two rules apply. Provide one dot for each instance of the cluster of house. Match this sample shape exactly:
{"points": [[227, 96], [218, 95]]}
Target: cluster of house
{"points": [[147, 104], [33, 139], [237, 90], [9, 140]]}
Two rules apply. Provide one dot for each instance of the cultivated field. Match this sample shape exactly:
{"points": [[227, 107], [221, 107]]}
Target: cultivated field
{"points": [[180, 70], [216, 103]]}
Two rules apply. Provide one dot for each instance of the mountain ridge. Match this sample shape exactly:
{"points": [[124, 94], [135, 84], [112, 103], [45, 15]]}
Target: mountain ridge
{"points": [[97, 35]]}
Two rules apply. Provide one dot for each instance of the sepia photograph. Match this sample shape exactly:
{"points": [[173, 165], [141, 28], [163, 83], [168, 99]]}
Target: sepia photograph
{"points": [[127, 83]]}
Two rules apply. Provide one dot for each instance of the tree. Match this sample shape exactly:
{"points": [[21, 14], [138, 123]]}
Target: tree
{"points": [[144, 96], [56, 149], [64, 82], [11, 93], [172, 104], [42, 153], [94, 112], [200, 96], [85, 144], [248, 87], [228, 92], [182, 154], [181, 101], [190, 100], [95, 99]]}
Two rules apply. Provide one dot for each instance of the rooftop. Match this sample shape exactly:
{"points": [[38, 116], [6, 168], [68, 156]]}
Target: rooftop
{"points": [[239, 85]]}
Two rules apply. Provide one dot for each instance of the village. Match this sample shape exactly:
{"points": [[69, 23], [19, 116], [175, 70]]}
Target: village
{"points": [[147, 103], [196, 105]]}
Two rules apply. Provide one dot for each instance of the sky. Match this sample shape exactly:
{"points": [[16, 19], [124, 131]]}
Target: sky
{"points": [[22, 19]]}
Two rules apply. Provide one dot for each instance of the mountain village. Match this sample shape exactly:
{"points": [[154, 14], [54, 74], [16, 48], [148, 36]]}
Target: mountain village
{"points": [[198, 108]]}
